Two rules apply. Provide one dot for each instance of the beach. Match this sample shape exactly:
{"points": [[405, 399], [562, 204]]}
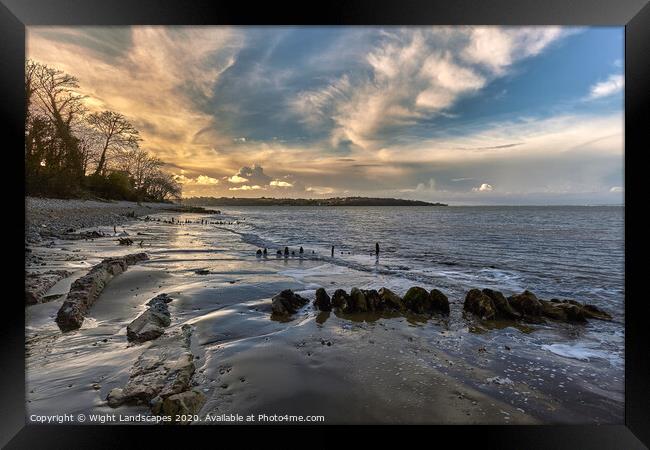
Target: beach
{"points": [[348, 368]]}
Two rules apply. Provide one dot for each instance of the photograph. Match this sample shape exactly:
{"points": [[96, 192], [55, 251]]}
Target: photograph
{"points": [[324, 224]]}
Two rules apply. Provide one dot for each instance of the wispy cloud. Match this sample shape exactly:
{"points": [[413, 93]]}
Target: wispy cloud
{"points": [[612, 85], [416, 74]]}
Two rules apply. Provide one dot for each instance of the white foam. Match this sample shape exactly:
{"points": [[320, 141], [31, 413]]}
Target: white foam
{"points": [[581, 352]]}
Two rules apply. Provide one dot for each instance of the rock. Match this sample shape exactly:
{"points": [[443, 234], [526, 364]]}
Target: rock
{"points": [[115, 397], [501, 304], [357, 302], [322, 301], [574, 313], [37, 284], [201, 271], [340, 299], [593, 312], [162, 370], [286, 303], [480, 304], [391, 300], [151, 323], [185, 403], [526, 303], [550, 310], [165, 298], [373, 300], [439, 301], [87, 289], [418, 300]]}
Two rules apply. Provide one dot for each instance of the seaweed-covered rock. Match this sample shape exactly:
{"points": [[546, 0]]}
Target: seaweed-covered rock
{"points": [[593, 312], [418, 300], [322, 301], [439, 301], [373, 300], [357, 301], [526, 303], [286, 303], [480, 304], [550, 310], [574, 313], [340, 299], [390, 300], [501, 304]]}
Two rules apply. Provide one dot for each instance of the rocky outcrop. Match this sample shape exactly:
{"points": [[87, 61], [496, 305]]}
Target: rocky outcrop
{"points": [[490, 304], [322, 302], [391, 300], [286, 303], [161, 377], [589, 311], [150, 324], [87, 289], [37, 284]]}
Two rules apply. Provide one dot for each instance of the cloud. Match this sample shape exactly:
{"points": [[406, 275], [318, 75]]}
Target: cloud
{"points": [[254, 175], [237, 179], [497, 48], [320, 190], [483, 188], [205, 180], [201, 179], [415, 74], [246, 188], [430, 186], [280, 183], [612, 85]]}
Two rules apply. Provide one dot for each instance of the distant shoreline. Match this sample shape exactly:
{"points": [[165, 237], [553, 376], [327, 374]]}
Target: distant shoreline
{"points": [[335, 201]]}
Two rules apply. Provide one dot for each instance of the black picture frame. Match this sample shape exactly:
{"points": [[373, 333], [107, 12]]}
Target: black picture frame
{"points": [[15, 15]]}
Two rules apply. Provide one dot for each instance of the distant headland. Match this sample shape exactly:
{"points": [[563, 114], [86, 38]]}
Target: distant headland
{"points": [[334, 201]]}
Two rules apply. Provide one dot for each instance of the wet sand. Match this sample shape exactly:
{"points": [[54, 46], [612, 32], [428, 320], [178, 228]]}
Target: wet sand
{"points": [[350, 369]]}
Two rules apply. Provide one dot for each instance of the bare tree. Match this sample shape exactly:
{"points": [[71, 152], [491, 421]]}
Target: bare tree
{"points": [[58, 97], [141, 166], [117, 133], [89, 145], [53, 159], [163, 186], [30, 70]]}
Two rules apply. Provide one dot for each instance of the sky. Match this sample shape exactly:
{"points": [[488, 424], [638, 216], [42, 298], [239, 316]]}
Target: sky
{"points": [[463, 115]]}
